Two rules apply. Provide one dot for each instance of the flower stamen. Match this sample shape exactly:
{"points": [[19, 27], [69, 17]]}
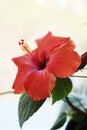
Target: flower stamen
{"points": [[24, 47]]}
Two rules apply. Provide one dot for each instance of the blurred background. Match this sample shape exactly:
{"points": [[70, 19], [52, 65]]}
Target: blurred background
{"points": [[32, 19]]}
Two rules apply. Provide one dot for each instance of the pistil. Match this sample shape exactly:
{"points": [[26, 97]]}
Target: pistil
{"points": [[24, 46]]}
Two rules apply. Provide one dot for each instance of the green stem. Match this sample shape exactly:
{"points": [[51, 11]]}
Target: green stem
{"points": [[79, 76], [84, 68], [82, 106], [75, 108], [8, 92]]}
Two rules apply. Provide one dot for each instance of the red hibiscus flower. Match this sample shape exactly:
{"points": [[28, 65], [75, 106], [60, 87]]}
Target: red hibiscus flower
{"points": [[38, 69]]}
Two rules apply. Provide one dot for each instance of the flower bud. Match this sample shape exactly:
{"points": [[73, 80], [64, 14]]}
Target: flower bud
{"points": [[84, 60]]}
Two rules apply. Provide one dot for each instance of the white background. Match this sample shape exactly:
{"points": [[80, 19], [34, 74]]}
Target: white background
{"points": [[31, 20]]}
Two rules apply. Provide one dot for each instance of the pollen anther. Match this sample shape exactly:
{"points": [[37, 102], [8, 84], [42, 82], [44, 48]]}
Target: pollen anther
{"points": [[24, 46]]}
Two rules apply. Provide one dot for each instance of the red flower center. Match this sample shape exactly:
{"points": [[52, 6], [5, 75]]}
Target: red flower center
{"points": [[42, 65], [25, 48]]}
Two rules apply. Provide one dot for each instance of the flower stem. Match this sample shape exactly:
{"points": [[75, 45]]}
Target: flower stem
{"points": [[8, 92], [78, 76], [82, 106], [75, 108]]}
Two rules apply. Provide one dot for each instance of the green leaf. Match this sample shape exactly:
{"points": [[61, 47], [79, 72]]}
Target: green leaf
{"points": [[82, 125], [71, 125], [77, 122], [63, 87], [60, 121], [27, 107], [78, 117]]}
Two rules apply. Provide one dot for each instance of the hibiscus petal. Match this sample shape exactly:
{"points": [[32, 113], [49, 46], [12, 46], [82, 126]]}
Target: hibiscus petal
{"points": [[18, 84], [41, 49], [71, 45], [64, 63], [26, 64], [39, 84], [48, 43], [22, 60], [28, 59]]}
